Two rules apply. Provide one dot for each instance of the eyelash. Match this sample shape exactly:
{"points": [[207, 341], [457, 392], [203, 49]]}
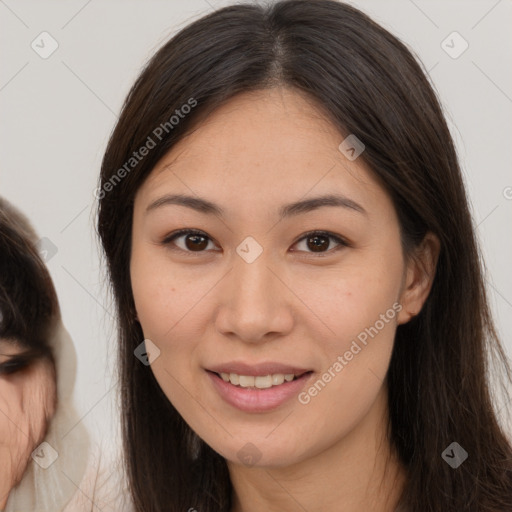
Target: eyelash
{"points": [[173, 236], [14, 364]]}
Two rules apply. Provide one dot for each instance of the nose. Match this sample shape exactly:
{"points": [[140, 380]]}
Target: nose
{"points": [[255, 303]]}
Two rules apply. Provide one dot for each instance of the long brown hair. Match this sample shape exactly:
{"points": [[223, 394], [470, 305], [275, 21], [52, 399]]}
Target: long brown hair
{"points": [[368, 84]]}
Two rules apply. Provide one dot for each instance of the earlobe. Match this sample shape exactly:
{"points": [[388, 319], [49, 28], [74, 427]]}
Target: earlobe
{"points": [[405, 316], [420, 273]]}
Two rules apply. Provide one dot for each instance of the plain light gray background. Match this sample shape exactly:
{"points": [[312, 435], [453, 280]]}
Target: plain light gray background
{"points": [[57, 113]]}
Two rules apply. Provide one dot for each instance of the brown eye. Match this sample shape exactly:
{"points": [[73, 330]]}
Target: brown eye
{"points": [[196, 242], [192, 241], [320, 241]]}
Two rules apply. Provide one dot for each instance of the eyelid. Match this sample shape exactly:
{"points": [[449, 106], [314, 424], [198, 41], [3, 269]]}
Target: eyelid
{"points": [[176, 234], [328, 234], [15, 363], [167, 241]]}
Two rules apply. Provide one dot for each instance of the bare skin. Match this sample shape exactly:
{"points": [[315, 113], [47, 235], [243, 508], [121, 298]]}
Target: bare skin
{"points": [[27, 402], [291, 305]]}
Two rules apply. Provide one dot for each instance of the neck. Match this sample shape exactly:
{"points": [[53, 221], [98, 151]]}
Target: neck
{"points": [[357, 474]]}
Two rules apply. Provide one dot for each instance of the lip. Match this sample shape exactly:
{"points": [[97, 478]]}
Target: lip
{"points": [[253, 370], [258, 400]]}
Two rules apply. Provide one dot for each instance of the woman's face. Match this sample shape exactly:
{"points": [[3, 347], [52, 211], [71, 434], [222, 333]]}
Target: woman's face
{"points": [[253, 295], [27, 403]]}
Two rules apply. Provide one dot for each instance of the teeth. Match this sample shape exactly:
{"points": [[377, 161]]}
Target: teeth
{"points": [[260, 382], [246, 381], [263, 382], [277, 379]]}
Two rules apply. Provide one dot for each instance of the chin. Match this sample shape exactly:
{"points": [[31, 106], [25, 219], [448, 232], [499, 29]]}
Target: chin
{"points": [[260, 452]]}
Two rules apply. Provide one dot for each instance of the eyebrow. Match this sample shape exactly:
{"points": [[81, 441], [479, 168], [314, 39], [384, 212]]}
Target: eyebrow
{"points": [[299, 207]]}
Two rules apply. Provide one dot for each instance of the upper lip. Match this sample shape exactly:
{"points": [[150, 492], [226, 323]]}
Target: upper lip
{"points": [[255, 369]]}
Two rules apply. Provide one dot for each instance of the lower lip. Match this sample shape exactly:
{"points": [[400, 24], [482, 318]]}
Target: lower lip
{"points": [[258, 400]]}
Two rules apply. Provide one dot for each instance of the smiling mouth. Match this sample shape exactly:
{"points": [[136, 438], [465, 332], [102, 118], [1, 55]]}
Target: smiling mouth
{"points": [[259, 381], [261, 392]]}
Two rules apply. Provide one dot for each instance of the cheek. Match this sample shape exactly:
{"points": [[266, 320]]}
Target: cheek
{"points": [[359, 310], [168, 305], [356, 353], [352, 377], [352, 298], [154, 292]]}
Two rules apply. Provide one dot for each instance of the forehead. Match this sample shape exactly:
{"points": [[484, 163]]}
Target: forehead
{"points": [[8, 345], [262, 145]]}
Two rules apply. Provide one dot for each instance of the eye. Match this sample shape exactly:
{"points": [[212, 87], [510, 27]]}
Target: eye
{"points": [[319, 242], [14, 364], [197, 241], [194, 240]]}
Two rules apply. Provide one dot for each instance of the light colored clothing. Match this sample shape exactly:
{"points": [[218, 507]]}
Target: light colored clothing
{"points": [[104, 487], [83, 477]]}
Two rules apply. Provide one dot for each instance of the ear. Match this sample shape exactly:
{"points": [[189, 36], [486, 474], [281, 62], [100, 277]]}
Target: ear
{"points": [[418, 277]]}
